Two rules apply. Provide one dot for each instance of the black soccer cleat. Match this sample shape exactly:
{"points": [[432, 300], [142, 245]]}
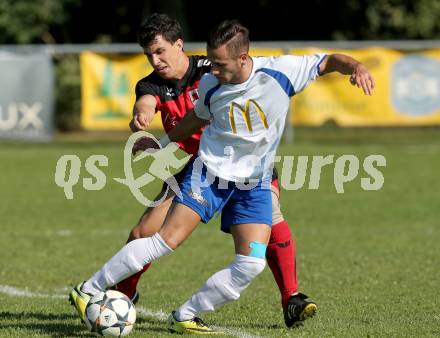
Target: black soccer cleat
{"points": [[298, 309]]}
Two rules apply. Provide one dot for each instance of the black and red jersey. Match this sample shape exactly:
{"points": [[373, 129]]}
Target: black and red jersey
{"points": [[175, 98]]}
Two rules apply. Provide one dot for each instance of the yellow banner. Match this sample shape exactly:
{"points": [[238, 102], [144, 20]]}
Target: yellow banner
{"points": [[107, 90], [252, 52], [407, 91]]}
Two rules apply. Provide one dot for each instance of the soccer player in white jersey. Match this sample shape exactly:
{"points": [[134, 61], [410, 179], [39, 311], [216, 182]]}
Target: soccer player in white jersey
{"points": [[244, 103]]}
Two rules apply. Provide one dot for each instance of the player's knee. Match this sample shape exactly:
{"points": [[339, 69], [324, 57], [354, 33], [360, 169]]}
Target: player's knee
{"points": [[255, 267], [258, 249], [143, 229]]}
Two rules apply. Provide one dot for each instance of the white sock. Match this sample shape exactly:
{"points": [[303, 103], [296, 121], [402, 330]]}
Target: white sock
{"points": [[129, 260], [224, 286]]}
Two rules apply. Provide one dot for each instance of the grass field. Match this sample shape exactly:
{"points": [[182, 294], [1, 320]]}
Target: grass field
{"points": [[370, 259]]}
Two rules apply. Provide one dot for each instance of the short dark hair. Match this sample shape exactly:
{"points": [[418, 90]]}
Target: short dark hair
{"points": [[232, 33], [159, 24]]}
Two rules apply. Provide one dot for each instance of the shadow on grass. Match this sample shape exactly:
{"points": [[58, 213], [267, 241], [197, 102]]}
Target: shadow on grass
{"points": [[58, 325], [35, 315], [264, 326], [55, 325], [256, 326], [150, 325]]}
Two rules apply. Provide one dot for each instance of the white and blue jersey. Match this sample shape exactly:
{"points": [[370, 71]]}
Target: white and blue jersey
{"points": [[239, 144], [247, 119]]}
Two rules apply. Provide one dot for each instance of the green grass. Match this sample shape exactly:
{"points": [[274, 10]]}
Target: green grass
{"points": [[370, 259]]}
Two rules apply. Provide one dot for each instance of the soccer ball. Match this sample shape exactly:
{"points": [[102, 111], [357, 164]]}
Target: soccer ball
{"points": [[110, 313]]}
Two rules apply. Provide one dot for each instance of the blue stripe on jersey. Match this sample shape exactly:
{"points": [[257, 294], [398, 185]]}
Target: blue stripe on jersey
{"points": [[282, 80], [319, 64], [208, 96]]}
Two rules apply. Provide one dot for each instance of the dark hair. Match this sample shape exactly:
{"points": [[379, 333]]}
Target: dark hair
{"points": [[232, 33], [159, 24]]}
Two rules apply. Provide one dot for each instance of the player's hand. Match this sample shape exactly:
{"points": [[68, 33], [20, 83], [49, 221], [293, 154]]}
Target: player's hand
{"points": [[139, 122], [362, 78], [145, 144]]}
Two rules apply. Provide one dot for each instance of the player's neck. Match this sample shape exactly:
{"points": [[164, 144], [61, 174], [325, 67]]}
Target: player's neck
{"points": [[245, 72], [184, 65]]}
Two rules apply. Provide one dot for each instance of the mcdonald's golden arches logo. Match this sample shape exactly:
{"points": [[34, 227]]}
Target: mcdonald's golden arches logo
{"points": [[246, 115]]}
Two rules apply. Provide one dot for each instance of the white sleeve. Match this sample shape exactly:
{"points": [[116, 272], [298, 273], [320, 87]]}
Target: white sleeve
{"points": [[206, 86], [300, 70]]}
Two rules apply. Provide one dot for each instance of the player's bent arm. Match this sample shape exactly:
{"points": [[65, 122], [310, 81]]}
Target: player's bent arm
{"points": [[143, 112], [341, 63], [184, 129], [344, 64]]}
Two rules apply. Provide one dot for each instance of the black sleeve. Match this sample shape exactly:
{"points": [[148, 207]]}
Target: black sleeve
{"points": [[145, 87]]}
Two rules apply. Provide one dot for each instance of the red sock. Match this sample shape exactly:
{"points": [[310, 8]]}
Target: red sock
{"points": [[280, 256], [128, 285]]}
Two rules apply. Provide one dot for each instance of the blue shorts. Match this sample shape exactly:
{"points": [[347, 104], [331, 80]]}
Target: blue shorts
{"points": [[237, 205]]}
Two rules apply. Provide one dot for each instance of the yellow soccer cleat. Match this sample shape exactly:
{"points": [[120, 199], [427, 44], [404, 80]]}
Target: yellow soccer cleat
{"points": [[193, 326], [79, 300]]}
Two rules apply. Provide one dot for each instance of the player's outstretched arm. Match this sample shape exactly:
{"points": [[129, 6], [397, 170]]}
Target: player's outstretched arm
{"points": [[190, 124], [344, 64], [143, 113], [184, 129]]}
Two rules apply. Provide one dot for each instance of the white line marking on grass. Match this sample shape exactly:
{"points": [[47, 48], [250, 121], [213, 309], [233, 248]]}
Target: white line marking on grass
{"points": [[12, 291], [424, 148], [160, 315], [64, 232], [235, 333]]}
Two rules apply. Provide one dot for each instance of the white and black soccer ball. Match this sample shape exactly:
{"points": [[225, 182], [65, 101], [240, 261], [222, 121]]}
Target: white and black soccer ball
{"points": [[110, 313]]}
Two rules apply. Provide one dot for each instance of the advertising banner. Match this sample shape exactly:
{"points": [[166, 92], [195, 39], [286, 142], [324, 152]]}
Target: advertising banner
{"points": [[107, 90], [26, 97], [407, 91]]}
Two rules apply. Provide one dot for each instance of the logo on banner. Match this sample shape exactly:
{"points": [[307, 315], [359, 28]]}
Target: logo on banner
{"points": [[114, 89], [22, 116], [415, 85]]}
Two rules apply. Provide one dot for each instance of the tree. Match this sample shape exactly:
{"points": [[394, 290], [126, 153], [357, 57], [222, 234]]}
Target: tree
{"points": [[30, 21], [76, 21], [400, 19]]}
